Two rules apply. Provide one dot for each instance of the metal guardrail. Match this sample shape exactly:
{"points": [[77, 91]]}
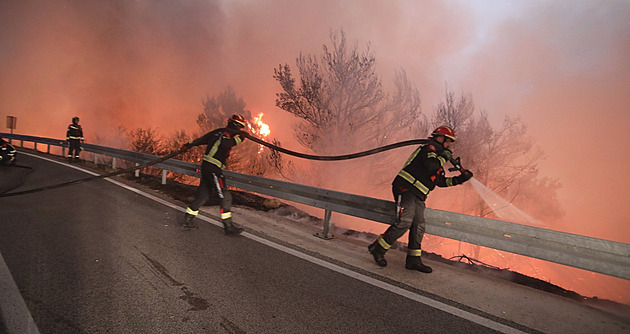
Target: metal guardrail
{"points": [[597, 255]]}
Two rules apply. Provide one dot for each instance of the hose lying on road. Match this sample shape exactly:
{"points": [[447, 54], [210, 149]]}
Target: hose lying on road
{"points": [[245, 134], [91, 178]]}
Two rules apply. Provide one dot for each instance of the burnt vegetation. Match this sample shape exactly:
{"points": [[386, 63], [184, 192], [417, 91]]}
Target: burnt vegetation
{"points": [[337, 96]]}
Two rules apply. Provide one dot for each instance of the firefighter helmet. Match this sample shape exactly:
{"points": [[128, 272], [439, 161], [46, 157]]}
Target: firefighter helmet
{"points": [[445, 131], [237, 120], [75, 119]]}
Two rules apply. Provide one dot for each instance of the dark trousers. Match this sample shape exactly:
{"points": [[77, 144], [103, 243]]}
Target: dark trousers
{"points": [[410, 217], [212, 180], [74, 145]]}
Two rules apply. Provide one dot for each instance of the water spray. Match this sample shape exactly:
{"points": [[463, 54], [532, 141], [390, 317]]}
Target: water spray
{"points": [[502, 208]]}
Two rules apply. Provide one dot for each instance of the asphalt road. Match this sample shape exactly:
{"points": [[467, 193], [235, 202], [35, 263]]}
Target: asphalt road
{"points": [[98, 258]]}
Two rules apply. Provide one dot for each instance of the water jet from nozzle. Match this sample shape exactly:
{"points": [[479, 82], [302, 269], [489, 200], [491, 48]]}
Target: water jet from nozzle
{"points": [[503, 209]]}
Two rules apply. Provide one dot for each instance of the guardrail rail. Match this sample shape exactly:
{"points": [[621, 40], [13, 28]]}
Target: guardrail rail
{"points": [[597, 255]]}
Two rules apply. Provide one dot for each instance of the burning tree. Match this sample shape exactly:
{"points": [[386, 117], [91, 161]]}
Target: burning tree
{"points": [[342, 105], [248, 157]]}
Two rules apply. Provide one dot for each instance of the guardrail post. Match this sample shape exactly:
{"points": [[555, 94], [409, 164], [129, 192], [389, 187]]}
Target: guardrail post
{"points": [[326, 234], [113, 163], [48, 149], [63, 151], [163, 176], [95, 159], [35, 145], [592, 254]]}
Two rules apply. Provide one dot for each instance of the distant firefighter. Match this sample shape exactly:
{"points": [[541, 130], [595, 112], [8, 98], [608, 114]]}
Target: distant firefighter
{"points": [[74, 136], [218, 143], [7, 153]]}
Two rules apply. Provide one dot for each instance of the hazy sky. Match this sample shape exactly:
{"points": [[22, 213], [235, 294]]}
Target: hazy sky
{"points": [[562, 66]]}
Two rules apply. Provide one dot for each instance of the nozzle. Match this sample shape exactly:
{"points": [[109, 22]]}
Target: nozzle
{"points": [[457, 165]]}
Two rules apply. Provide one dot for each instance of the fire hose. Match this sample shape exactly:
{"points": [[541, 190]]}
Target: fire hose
{"points": [[91, 178], [454, 162], [335, 157]]}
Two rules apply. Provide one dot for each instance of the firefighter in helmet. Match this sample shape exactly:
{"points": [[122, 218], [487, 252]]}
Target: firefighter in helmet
{"points": [[420, 174], [74, 136], [219, 143], [7, 153]]}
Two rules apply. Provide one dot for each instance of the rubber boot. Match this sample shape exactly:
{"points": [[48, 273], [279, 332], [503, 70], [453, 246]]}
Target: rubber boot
{"points": [[189, 221], [230, 228], [378, 252], [415, 263]]}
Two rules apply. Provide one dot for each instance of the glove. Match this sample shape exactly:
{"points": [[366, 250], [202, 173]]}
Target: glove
{"points": [[184, 148], [446, 153], [465, 176]]}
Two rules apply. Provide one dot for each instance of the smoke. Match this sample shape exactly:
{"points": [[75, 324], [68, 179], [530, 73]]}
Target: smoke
{"points": [[111, 63], [561, 66], [564, 69]]}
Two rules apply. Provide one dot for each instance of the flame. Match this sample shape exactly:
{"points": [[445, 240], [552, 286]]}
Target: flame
{"points": [[260, 129]]}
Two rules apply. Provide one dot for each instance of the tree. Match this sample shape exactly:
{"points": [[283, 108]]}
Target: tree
{"points": [[194, 154], [342, 105], [148, 141], [504, 159], [246, 157], [216, 110]]}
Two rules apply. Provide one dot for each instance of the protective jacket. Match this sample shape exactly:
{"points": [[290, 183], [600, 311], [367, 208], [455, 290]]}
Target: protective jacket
{"points": [[219, 144], [7, 153], [74, 132], [423, 171]]}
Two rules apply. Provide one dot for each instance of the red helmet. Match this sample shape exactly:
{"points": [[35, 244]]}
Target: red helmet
{"points": [[445, 131], [237, 120]]}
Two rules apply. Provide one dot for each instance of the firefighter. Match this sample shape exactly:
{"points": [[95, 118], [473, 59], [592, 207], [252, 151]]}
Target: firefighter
{"points": [[74, 136], [7, 152], [420, 174], [219, 143]]}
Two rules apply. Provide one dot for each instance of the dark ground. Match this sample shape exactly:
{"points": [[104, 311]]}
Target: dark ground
{"points": [[185, 193]]}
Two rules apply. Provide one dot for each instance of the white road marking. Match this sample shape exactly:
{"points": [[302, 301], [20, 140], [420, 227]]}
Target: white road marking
{"points": [[16, 316], [366, 279]]}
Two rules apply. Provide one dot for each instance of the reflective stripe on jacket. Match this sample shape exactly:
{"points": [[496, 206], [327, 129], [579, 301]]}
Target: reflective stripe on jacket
{"points": [[219, 144], [422, 172], [74, 132]]}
